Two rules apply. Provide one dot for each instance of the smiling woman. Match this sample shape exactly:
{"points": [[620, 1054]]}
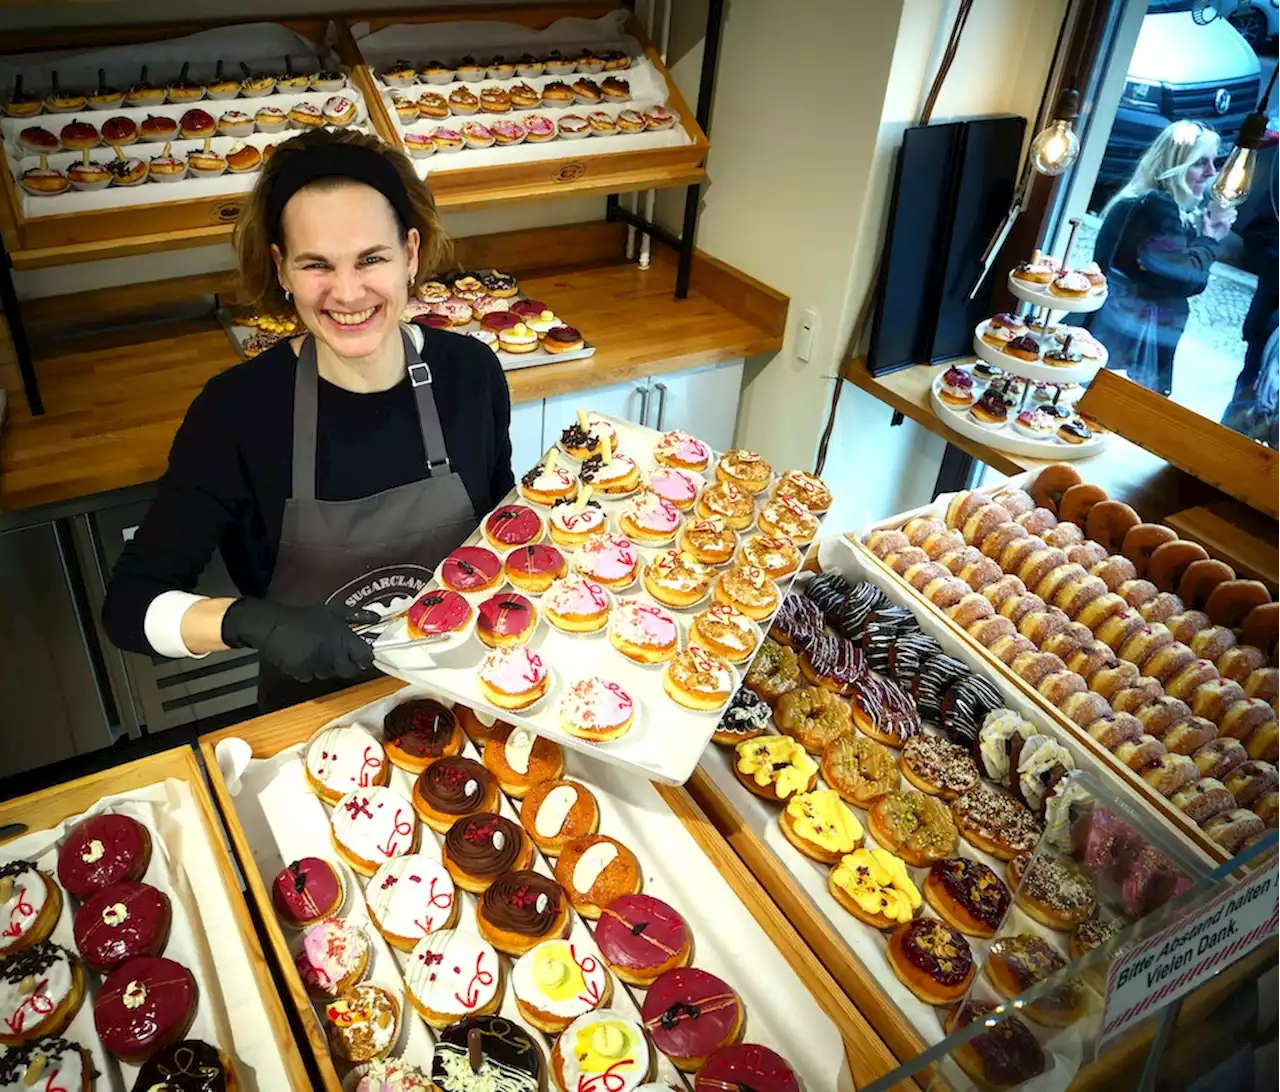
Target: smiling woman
{"points": [[334, 471]]}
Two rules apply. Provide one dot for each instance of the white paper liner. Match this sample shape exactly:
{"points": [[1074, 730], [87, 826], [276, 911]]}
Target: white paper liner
{"points": [[397, 634], [203, 935], [283, 820], [667, 745], [477, 597]]}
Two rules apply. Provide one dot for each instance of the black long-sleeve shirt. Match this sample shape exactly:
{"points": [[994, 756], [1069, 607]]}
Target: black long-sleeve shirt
{"points": [[229, 471]]}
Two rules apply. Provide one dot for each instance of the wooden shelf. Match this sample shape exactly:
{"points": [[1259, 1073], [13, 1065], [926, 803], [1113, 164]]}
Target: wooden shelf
{"points": [[45, 241], [114, 402]]}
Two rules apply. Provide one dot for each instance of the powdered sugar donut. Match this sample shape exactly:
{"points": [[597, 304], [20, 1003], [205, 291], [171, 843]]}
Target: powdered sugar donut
{"points": [[411, 897], [597, 709], [373, 825], [343, 758], [453, 973]]}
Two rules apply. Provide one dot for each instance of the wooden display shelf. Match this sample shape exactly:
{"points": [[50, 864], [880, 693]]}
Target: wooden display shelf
{"points": [[137, 228], [114, 402], [1187, 831], [48, 807], [568, 175], [270, 734], [39, 242]]}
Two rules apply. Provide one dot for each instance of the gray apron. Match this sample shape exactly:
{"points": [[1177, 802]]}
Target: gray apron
{"points": [[367, 553]]}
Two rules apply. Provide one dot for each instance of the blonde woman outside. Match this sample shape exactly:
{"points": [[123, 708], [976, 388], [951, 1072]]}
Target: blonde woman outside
{"points": [[1157, 244]]}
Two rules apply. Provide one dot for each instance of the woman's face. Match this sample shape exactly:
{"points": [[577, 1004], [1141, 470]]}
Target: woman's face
{"points": [[346, 266], [1200, 174]]}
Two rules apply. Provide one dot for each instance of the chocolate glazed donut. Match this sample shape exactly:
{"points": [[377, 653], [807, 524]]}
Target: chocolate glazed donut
{"points": [[512, 903], [421, 727], [484, 844], [454, 785]]}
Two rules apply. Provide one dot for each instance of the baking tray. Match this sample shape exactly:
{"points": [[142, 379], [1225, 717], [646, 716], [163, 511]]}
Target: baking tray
{"points": [[239, 1008], [273, 817], [666, 740]]}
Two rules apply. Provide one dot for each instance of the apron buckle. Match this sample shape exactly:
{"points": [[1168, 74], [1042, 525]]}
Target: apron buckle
{"points": [[419, 375]]}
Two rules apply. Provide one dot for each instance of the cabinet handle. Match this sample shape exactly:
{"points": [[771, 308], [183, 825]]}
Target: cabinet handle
{"points": [[644, 393], [662, 404]]}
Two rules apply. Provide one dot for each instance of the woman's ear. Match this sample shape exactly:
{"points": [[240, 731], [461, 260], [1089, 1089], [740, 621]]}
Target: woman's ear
{"points": [[412, 244], [277, 256]]}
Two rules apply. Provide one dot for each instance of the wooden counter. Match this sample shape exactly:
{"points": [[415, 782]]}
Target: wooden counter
{"points": [[1126, 471], [113, 403]]}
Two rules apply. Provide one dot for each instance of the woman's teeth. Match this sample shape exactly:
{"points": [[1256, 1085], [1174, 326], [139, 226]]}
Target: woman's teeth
{"points": [[352, 318]]}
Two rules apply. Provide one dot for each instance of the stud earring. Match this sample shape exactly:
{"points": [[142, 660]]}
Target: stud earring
{"points": [[288, 296]]}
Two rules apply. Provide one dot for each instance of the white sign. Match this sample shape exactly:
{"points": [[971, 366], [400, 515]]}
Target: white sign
{"points": [[1176, 960]]}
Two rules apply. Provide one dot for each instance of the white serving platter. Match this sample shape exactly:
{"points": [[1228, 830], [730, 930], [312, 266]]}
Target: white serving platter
{"points": [[1005, 439], [1042, 297], [1049, 373]]}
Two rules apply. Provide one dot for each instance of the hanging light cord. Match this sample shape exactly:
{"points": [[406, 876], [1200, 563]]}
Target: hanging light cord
{"points": [[868, 302], [1271, 83]]}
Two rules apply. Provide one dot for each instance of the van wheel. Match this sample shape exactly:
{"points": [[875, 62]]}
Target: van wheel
{"points": [[1251, 24]]}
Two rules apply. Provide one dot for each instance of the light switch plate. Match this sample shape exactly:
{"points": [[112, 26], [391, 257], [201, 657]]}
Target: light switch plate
{"points": [[808, 329]]}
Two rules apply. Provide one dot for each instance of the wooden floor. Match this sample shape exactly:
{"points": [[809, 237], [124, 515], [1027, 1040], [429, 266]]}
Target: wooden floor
{"points": [[114, 403]]}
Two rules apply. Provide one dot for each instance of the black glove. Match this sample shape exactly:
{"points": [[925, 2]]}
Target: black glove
{"points": [[306, 643]]}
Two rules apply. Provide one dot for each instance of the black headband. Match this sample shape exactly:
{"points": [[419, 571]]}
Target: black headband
{"points": [[336, 161]]}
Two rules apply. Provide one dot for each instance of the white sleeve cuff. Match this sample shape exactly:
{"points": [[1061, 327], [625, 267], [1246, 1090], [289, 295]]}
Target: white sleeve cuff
{"points": [[163, 623]]}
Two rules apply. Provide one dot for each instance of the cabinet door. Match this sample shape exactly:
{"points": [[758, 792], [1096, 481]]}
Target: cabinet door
{"points": [[703, 402], [526, 436], [622, 400]]}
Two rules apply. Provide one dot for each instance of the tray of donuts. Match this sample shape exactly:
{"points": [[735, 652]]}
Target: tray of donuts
{"points": [[918, 808], [609, 602], [463, 906], [1108, 620], [126, 951]]}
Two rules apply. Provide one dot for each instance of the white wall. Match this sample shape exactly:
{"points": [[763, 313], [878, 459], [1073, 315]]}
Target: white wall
{"points": [[797, 196]]}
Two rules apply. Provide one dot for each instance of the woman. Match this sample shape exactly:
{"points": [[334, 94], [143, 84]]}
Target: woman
{"points": [[1157, 243], [335, 470]]}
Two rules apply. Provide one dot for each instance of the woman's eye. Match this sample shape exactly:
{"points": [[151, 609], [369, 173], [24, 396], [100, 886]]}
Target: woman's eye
{"points": [[315, 265], [372, 258]]}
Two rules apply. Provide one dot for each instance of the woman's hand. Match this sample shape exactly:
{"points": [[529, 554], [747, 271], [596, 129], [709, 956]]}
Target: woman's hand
{"points": [[1215, 221], [304, 642]]}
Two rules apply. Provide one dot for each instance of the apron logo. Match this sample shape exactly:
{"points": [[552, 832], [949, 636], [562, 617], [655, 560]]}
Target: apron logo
{"points": [[384, 591]]}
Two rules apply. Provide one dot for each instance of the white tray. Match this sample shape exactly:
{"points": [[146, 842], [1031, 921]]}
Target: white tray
{"points": [[1049, 373], [1005, 439], [666, 739], [1042, 297], [203, 935], [283, 820]]}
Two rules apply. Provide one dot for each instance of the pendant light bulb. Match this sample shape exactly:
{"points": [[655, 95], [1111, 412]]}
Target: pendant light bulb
{"points": [[1055, 149], [1232, 183]]}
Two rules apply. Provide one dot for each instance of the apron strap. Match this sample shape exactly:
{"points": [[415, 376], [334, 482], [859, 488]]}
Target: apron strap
{"points": [[306, 392]]}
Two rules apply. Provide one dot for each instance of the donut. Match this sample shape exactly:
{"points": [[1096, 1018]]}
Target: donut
{"points": [[813, 716], [1200, 580], [594, 870], [989, 630], [1239, 662], [1016, 607], [1116, 729], [886, 542], [834, 663], [918, 528], [1163, 713], [1164, 663], [1034, 667], [1250, 780], [1016, 501], [999, 590], [1003, 1057], [1169, 562], [1091, 658], [447, 790], [1171, 773], [1136, 697], [641, 938], [519, 910], [938, 767], [101, 851], [1231, 829], [1185, 682], [774, 767], [1054, 891], [1013, 555], [1212, 699], [962, 506], [901, 560], [971, 608], [1008, 649], [996, 542], [1212, 642], [1142, 541], [921, 575], [931, 959], [1109, 521], [884, 712], [1052, 582], [1111, 680], [1039, 625], [915, 827], [979, 573], [1087, 554], [1038, 521], [982, 522], [746, 1065], [1083, 708], [145, 1005], [1098, 610], [120, 922], [1016, 963], [942, 542], [1165, 607], [1263, 683], [774, 672], [1229, 601], [821, 826], [1051, 483], [860, 770], [690, 1015], [1201, 800], [1077, 501], [1063, 535], [1137, 592], [994, 822], [967, 895], [497, 1044], [1220, 757], [908, 654], [1140, 753], [1115, 570], [1075, 595], [417, 732], [1120, 628], [1259, 628], [1263, 742]]}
